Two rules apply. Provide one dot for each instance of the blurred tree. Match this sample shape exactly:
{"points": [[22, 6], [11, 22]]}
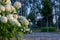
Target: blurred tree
{"points": [[31, 16], [35, 8], [46, 10]]}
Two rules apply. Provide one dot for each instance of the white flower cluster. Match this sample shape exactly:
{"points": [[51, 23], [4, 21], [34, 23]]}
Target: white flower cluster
{"points": [[17, 5], [8, 7], [3, 19], [8, 2], [12, 18], [0, 15], [15, 22], [2, 8], [23, 20]]}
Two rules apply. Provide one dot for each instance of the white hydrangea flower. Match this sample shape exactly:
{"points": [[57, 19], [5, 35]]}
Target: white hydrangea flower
{"points": [[8, 8], [27, 29], [15, 16], [17, 5], [14, 22], [10, 16], [23, 20], [2, 8], [13, 9], [0, 15], [4, 19], [21, 29], [8, 2]]}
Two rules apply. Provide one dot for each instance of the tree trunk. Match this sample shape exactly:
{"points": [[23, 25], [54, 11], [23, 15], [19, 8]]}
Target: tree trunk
{"points": [[57, 23], [47, 24]]}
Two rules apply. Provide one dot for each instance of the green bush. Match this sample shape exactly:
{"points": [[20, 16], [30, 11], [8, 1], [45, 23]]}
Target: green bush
{"points": [[50, 29], [44, 29]]}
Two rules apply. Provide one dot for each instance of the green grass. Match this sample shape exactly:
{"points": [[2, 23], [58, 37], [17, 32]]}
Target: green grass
{"points": [[36, 29], [44, 29]]}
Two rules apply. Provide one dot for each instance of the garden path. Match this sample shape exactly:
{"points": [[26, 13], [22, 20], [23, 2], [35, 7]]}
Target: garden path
{"points": [[42, 36]]}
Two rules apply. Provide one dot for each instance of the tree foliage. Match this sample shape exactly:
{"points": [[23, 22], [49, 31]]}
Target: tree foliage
{"points": [[31, 16], [47, 8]]}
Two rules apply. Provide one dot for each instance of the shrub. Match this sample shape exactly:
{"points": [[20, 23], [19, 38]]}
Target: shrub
{"points": [[44, 29], [52, 29], [49, 29]]}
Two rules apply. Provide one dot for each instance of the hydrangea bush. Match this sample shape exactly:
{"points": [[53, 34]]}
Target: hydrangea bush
{"points": [[11, 24]]}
